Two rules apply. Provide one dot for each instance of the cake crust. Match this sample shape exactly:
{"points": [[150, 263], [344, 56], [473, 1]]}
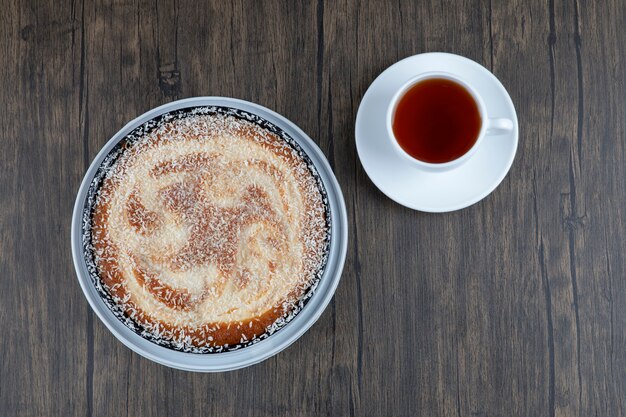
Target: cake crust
{"points": [[208, 230]]}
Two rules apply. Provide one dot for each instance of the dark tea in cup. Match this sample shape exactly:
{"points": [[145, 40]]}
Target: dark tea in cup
{"points": [[436, 120]]}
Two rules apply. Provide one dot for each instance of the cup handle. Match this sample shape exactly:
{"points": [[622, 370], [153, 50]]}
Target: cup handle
{"points": [[499, 126]]}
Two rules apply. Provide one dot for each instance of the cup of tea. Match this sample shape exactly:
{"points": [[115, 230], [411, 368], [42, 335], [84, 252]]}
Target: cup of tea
{"points": [[436, 121]]}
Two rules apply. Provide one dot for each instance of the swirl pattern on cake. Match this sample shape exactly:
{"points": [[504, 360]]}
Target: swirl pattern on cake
{"points": [[208, 230]]}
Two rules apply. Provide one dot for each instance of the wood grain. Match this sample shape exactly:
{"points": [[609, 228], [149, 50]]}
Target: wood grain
{"points": [[515, 306]]}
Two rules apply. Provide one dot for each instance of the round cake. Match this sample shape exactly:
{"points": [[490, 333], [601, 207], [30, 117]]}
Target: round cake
{"points": [[208, 231]]}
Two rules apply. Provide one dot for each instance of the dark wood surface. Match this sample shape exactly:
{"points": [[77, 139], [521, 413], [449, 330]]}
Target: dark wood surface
{"points": [[515, 306]]}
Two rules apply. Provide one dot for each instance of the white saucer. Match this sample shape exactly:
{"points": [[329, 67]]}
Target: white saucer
{"points": [[434, 191]]}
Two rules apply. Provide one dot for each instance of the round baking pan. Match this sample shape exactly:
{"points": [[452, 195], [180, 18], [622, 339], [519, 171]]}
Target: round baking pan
{"points": [[320, 294]]}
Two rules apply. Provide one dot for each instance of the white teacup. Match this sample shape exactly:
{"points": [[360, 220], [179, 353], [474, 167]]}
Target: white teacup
{"points": [[489, 126]]}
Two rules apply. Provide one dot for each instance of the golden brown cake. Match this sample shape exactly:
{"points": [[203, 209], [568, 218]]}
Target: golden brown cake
{"points": [[208, 230]]}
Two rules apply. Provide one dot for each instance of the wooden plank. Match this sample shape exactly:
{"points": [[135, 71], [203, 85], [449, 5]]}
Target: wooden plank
{"points": [[43, 317]]}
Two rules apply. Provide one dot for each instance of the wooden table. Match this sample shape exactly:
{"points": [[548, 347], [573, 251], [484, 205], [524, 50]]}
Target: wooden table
{"points": [[515, 306]]}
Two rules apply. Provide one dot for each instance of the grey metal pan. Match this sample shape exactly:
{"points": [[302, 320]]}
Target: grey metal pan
{"points": [[312, 310]]}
